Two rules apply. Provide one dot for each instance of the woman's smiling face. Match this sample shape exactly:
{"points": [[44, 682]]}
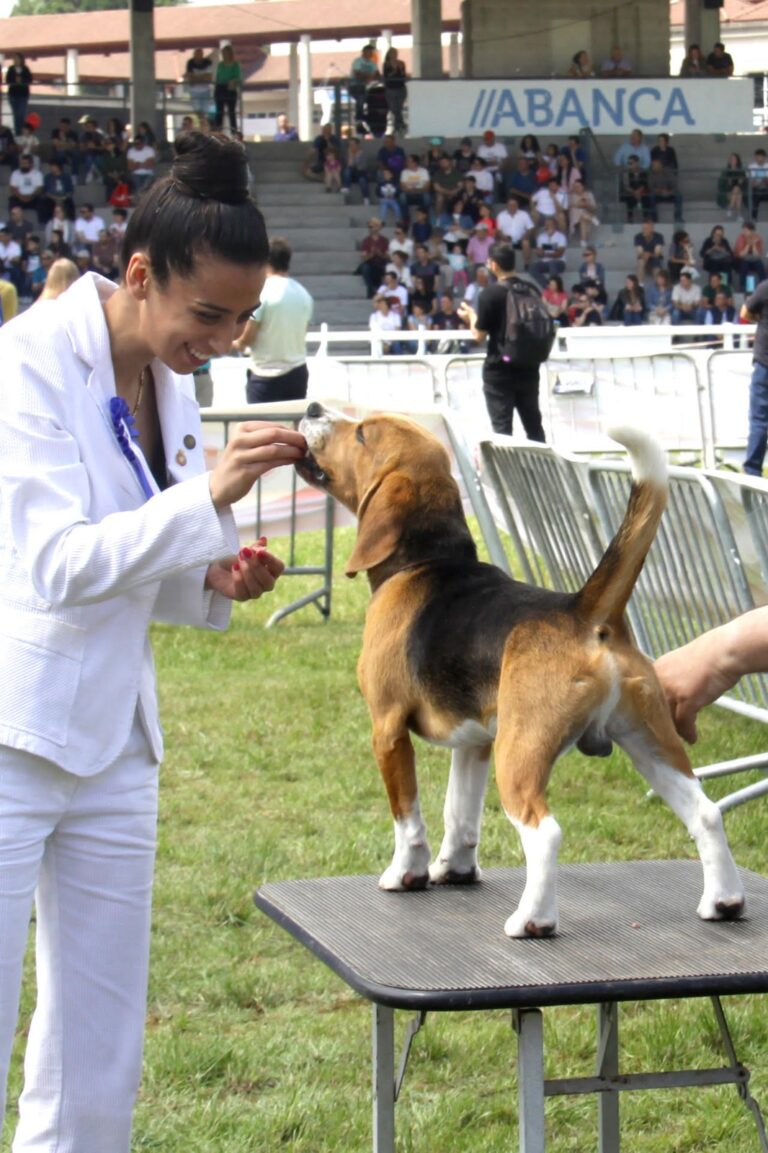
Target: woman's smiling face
{"points": [[190, 319]]}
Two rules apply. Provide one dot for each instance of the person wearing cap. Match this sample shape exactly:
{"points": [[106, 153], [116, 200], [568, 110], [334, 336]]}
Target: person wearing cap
{"points": [[374, 249], [495, 155]]}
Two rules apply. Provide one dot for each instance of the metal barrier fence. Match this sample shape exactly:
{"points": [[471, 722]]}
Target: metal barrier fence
{"points": [[268, 504]]}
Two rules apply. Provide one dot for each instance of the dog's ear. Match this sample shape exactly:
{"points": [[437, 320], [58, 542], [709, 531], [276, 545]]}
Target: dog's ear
{"points": [[380, 519]]}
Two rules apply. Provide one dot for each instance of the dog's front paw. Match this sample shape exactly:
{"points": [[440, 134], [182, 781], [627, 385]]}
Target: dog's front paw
{"points": [[394, 880], [722, 906], [444, 872], [524, 924]]}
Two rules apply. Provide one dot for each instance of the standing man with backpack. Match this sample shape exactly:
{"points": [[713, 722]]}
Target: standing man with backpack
{"points": [[520, 333]]}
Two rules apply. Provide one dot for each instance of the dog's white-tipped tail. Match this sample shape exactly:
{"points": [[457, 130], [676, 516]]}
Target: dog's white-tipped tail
{"points": [[649, 462], [604, 597]]}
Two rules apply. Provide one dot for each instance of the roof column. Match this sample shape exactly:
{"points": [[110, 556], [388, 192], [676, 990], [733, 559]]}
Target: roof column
{"points": [[426, 20], [72, 72], [702, 25], [143, 80], [293, 83], [304, 119]]}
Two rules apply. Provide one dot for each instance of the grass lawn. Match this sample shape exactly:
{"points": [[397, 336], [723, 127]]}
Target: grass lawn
{"points": [[252, 1044]]}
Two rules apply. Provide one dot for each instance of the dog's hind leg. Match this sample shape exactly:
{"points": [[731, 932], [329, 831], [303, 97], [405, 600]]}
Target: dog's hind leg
{"points": [[409, 868], [647, 734], [456, 863]]}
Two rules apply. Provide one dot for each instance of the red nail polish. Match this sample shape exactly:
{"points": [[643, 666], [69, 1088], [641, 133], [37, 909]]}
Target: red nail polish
{"points": [[260, 553], [236, 567], [262, 540], [246, 553]]}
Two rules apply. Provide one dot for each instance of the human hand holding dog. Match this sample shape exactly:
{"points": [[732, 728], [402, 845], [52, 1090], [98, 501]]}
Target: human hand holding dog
{"points": [[246, 576], [255, 447], [698, 673]]}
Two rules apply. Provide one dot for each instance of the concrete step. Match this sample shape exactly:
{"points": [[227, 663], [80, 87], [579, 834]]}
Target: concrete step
{"points": [[342, 313], [305, 263], [334, 285]]}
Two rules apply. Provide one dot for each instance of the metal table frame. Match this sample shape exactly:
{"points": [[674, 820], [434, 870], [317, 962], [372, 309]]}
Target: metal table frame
{"points": [[379, 943]]}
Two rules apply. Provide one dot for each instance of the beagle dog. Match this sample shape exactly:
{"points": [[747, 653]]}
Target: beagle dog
{"points": [[460, 654]]}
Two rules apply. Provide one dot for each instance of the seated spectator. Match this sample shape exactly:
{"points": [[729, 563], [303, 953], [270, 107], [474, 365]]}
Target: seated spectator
{"points": [[686, 297], [355, 169], [332, 169], [717, 254], [105, 254], [399, 264], [421, 228], [591, 269], [487, 218], [681, 255], [757, 175], [556, 299], [435, 153], [391, 156], [635, 146], [374, 250], [65, 146], [83, 261], [446, 317], [419, 321], [395, 292], [694, 65], [581, 66], [522, 183], [470, 196], [58, 189], [384, 321], [25, 186], [516, 226], [577, 153], [630, 306], [719, 62], [480, 244], [91, 148], [119, 222], [634, 192], [663, 151], [530, 147], [32, 269], [445, 185], [28, 143], [464, 156], [425, 268], [415, 185], [401, 242], [583, 311], [567, 172], [616, 65], [582, 212], [484, 189], [548, 164], [457, 220], [550, 203], [481, 280], [715, 284], [57, 244], [10, 259], [732, 186], [549, 252], [141, 159], [458, 265], [314, 165], [495, 155], [88, 227], [18, 225], [39, 275], [284, 130], [748, 254], [386, 194], [422, 295], [113, 167], [649, 249], [722, 311], [663, 189], [658, 298]]}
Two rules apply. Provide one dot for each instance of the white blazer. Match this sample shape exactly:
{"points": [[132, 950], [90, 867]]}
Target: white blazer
{"points": [[86, 561]]}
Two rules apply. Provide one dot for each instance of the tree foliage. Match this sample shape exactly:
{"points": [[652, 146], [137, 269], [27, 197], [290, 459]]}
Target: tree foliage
{"points": [[57, 7]]}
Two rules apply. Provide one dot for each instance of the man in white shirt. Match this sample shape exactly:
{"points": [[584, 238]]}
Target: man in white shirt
{"points": [[141, 158], [484, 179], [516, 225], [415, 185], [686, 298], [10, 259], [384, 319], [495, 155], [276, 334], [550, 201], [88, 226], [391, 288], [25, 185], [401, 242], [550, 252]]}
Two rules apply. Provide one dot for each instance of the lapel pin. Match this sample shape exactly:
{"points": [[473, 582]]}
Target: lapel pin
{"points": [[181, 457]]}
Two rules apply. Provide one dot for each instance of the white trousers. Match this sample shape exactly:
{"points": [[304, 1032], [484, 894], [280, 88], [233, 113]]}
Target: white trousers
{"points": [[84, 850]]}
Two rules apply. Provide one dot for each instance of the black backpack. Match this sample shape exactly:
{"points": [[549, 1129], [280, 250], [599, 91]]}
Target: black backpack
{"points": [[529, 331]]}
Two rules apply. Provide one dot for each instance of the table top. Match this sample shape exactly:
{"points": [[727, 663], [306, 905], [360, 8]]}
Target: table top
{"points": [[628, 931]]}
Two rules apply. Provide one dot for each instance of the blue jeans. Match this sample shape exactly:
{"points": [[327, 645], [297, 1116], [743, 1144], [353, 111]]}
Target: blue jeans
{"points": [[758, 420]]}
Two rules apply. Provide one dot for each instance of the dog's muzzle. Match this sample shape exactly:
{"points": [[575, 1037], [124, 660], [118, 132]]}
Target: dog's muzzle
{"points": [[315, 427]]}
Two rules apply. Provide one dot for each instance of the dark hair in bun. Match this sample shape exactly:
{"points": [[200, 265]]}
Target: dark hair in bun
{"points": [[202, 207]]}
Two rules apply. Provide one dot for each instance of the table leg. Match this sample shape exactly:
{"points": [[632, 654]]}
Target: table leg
{"points": [[528, 1024], [383, 1079], [608, 1066]]}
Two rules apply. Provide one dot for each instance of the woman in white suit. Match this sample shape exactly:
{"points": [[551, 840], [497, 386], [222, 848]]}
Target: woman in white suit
{"points": [[109, 521]]}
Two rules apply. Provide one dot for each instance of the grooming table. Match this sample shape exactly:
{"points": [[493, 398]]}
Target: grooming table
{"points": [[629, 932]]}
